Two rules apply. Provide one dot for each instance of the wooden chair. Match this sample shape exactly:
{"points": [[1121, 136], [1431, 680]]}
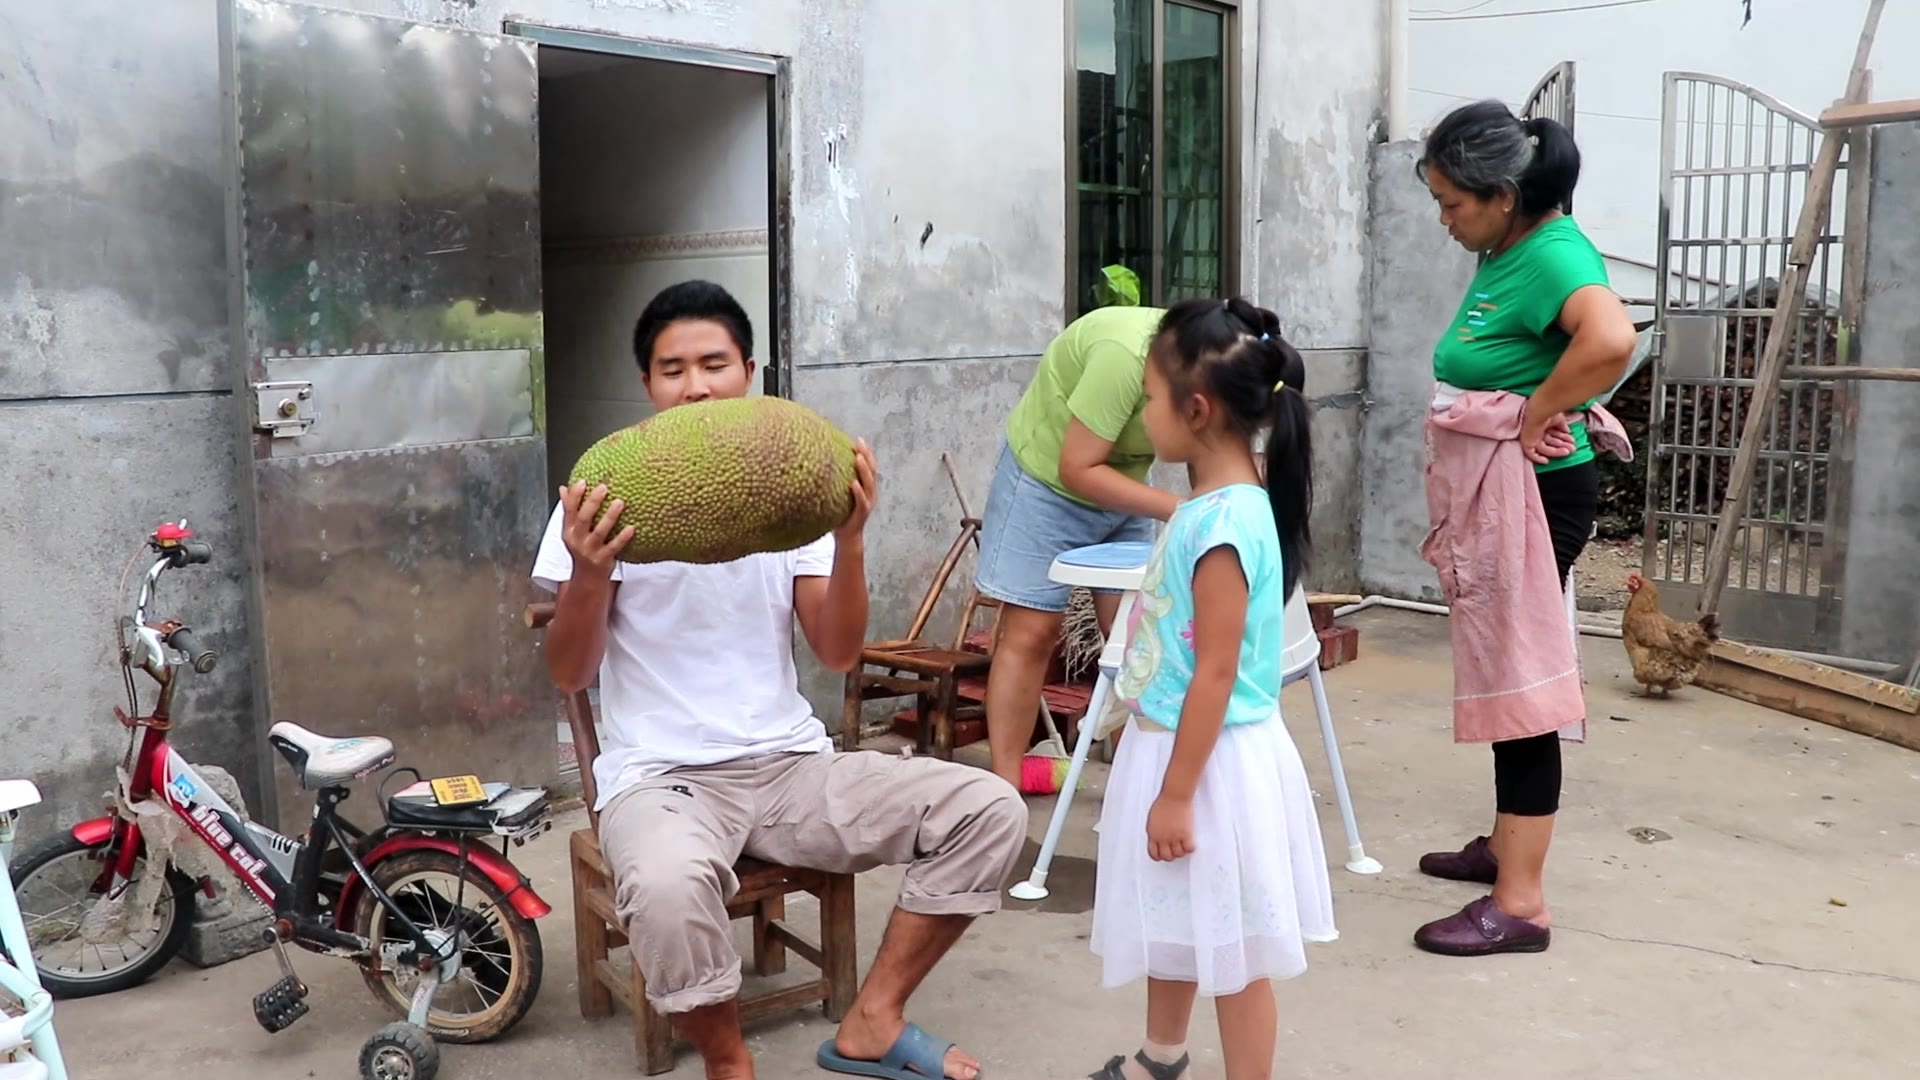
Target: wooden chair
{"points": [[930, 672], [762, 897]]}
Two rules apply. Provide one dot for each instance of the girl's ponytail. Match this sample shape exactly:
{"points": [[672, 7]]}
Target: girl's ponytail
{"points": [[1235, 348], [1289, 465]]}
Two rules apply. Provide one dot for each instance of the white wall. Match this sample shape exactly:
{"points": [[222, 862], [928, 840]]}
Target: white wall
{"points": [[651, 173], [647, 148], [1798, 51]]}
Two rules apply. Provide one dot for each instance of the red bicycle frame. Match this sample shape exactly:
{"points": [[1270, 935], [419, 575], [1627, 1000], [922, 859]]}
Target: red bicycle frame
{"points": [[261, 858], [282, 873]]}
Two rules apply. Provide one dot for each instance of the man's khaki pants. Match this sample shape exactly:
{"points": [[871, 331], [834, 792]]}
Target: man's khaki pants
{"points": [[672, 842]]}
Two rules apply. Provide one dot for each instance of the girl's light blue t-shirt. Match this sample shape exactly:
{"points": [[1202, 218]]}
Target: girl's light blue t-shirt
{"points": [[1158, 665]]}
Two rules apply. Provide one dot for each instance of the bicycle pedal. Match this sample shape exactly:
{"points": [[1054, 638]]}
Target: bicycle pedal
{"points": [[279, 1005]]}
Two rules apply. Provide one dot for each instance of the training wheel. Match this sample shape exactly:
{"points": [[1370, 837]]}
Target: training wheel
{"points": [[399, 1052]]}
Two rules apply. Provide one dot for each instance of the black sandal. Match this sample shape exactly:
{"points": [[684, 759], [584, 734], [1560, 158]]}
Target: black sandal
{"points": [[1154, 1068]]}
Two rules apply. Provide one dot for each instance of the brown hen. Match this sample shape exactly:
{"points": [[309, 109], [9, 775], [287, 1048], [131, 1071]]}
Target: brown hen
{"points": [[1665, 653]]}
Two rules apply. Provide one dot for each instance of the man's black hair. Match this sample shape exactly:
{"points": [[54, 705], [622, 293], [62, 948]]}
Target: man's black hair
{"points": [[690, 300]]}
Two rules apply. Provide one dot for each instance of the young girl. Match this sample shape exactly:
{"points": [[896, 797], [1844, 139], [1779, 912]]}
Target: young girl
{"points": [[1212, 874]]}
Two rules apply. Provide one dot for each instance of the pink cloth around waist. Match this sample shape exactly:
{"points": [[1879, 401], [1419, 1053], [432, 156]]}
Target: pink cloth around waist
{"points": [[1516, 659]]}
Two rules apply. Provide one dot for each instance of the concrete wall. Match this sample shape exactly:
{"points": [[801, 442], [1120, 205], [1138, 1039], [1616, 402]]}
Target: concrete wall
{"points": [[947, 380], [1419, 275], [1315, 85], [113, 362], [1877, 619], [114, 405]]}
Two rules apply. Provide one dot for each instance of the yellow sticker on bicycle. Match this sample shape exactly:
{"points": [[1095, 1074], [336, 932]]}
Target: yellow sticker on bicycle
{"points": [[458, 790]]}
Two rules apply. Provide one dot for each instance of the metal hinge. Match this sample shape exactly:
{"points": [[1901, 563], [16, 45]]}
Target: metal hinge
{"points": [[284, 410]]}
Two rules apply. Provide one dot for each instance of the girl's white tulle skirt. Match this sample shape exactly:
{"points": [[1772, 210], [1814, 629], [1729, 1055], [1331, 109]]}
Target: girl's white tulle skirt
{"points": [[1255, 890]]}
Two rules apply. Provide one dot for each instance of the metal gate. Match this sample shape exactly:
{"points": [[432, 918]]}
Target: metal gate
{"points": [[1734, 170], [1552, 96]]}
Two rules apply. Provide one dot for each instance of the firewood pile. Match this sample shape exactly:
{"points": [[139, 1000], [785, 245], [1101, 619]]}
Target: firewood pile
{"points": [[1706, 418], [1623, 484]]}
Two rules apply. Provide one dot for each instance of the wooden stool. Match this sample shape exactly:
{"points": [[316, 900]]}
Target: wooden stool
{"points": [[764, 888]]}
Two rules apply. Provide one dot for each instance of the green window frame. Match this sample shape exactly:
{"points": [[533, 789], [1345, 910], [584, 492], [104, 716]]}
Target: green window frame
{"points": [[1153, 151]]}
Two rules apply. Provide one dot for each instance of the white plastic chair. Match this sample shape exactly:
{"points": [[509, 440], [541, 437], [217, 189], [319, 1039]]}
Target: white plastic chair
{"points": [[28, 1050], [1301, 659], [1119, 568]]}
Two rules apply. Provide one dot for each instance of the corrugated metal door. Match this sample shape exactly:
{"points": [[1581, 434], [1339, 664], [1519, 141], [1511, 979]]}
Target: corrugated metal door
{"points": [[384, 239]]}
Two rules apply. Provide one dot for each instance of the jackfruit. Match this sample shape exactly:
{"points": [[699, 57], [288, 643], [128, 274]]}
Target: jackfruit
{"points": [[714, 481]]}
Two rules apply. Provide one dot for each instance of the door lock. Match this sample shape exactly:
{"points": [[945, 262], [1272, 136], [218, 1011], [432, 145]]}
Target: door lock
{"points": [[284, 409]]}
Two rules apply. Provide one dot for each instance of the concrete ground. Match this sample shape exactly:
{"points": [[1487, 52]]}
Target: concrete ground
{"points": [[1766, 930]]}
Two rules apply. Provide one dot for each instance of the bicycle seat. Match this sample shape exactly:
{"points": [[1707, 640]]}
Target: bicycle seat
{"points": [[321, 761], [17, 795]]}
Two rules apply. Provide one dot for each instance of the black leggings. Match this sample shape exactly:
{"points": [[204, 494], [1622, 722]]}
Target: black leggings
{"points": [[1526, 772]]}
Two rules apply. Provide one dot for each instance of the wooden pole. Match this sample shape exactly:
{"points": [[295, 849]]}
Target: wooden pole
{"points": [[946, 461], [1853, 374], [1870, 113], [1773, 358]]}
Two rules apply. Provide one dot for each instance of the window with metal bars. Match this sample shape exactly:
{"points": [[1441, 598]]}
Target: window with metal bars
{"points": [[1153, 158]]}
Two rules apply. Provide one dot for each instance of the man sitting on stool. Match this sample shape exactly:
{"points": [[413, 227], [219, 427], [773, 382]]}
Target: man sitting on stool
{"points": [[711, 752]]}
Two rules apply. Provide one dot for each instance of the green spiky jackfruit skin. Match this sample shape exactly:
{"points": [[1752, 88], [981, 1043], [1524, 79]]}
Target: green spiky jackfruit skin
{"points": [[714, 481]]}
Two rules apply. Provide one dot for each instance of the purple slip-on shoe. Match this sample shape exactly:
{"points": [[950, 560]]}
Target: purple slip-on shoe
{"points": [[1482, 929], [1475, 862]]}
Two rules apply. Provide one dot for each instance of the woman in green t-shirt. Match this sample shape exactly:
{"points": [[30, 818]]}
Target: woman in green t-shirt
{"points": [[1539, 320], [1073, 473]]}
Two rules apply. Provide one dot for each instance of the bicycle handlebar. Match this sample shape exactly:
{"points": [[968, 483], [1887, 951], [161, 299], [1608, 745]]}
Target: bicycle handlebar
{"points": [[189, 553], [202, 659], [174, 549]]}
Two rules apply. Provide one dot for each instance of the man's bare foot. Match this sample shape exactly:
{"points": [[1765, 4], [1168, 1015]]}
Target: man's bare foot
{"points": [[731, 1070], [868, 1038]]}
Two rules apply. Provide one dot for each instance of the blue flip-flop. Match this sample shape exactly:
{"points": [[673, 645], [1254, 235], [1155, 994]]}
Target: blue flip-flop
{"points": [[913, 1050]]}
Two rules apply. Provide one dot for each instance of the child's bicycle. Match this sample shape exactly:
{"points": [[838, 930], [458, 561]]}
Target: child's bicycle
{"points": [[28, 1049], [461, 962]]}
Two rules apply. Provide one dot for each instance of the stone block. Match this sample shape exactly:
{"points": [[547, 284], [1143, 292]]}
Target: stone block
{"points": [[226, 929]]}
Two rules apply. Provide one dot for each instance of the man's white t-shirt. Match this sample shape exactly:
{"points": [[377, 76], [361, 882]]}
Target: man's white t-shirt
{"points": [[699, 663]]}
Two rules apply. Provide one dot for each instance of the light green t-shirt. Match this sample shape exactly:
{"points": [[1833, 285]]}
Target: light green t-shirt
{"points": [[1094, 371], [1505, 335]]}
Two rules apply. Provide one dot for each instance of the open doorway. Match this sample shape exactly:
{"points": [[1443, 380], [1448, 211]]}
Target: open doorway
{"points": [[651, 172]]}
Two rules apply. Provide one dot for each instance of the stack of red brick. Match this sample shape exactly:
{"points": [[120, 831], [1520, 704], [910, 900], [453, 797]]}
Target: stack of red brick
{"points": [[1338, 644]]}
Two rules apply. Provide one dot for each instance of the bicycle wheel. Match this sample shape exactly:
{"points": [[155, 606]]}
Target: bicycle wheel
{"points": [[500, 957], [54, 882]]}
